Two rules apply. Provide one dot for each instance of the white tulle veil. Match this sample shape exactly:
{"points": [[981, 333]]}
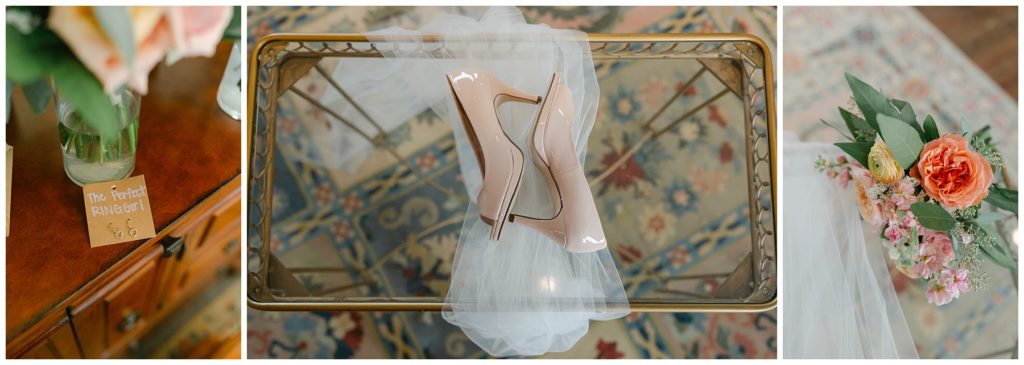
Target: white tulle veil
{"points": [[839, 301], [523, 295]]}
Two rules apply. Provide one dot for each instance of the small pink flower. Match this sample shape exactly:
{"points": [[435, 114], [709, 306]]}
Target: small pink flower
{"points": [[956, 279], [941, 240], [831, 174], [844, 178], [910, 220], [903, 194], [935, 252], [894, 233], [938, 293]]}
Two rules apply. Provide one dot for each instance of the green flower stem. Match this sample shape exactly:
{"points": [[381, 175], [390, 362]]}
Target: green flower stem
{"points": [[95, 148]]}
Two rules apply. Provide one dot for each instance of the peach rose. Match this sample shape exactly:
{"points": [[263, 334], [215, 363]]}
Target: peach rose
{"points": [[78, 27], [175, 32], [196, 30], [870, 210], [952, 174]]}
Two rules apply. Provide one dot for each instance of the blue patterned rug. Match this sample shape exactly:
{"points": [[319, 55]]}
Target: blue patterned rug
{"points": [[669, 214]]}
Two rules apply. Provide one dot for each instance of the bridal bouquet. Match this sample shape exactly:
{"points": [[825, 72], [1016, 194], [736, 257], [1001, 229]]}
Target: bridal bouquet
{"points": [[923, 191]]}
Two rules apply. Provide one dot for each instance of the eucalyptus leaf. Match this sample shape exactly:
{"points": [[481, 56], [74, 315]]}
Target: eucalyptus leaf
{"points": [[858, 150], [870, 102], [931, 131], [837, 129], [988, 218], [997, 252], [79, 87], [38, 94], [902, 139], [855, 123], [932, 216], [908, 116], [30, 56], [1004, 199], [116, 23]]}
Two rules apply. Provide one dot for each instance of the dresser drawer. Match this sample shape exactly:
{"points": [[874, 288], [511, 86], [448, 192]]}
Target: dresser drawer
{"points": [[107, 320], [225, 222], [128, 306], [199, 268], [58, 344]]}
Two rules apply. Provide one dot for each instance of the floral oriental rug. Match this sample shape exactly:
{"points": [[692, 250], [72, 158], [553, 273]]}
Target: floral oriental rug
{"points": [[899, 51], [669, 219]]}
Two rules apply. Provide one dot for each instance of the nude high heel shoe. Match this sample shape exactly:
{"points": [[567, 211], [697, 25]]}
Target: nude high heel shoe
{"points": [[477, 97], [575, 224]]}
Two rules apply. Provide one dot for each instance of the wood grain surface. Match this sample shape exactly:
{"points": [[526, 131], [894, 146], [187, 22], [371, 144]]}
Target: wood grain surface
{"points": [[986, 34], [187, 149]]}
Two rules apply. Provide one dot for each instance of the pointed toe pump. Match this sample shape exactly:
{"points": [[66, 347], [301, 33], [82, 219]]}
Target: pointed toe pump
{"points": [[576, 224], [478, 94]]}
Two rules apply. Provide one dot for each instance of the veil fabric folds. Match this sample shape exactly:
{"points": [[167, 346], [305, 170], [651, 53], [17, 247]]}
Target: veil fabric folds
{"points": [[523, 295], [839, 298]]}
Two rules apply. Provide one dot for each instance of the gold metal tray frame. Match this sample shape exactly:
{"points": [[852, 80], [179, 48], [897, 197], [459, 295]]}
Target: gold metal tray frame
{"points": [[279, 60]]}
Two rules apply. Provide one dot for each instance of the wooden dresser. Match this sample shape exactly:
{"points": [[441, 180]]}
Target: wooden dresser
{"points": [[67, 300]]}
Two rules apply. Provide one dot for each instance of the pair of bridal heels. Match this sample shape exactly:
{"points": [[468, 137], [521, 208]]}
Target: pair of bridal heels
{"points": [[575, 225]]}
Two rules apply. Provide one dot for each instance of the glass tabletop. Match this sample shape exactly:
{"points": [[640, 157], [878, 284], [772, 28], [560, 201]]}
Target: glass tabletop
{"points": [[680, 161]]}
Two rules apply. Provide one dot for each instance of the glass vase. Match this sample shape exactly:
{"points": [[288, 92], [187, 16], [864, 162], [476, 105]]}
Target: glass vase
{"points": [[229, 93], [91, 158]]}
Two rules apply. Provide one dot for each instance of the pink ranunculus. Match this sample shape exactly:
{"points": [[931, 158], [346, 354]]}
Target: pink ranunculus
{"points": [[79, 28], [938, 292], [953, 174], [196, 30]]}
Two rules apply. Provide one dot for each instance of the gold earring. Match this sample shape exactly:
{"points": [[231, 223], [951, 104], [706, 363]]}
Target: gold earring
{"points": [[117, 232], [131, 230]]}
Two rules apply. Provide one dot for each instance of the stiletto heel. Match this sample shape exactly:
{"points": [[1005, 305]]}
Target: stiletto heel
{"points": [[576, 224], [478, 94]]}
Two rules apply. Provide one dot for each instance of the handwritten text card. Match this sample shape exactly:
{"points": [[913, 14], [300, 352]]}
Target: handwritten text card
{"points": [[118, 211]]}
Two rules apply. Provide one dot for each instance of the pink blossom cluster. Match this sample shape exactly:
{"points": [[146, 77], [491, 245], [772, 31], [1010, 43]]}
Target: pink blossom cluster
{"points": [[948, 286], [887, 208]]}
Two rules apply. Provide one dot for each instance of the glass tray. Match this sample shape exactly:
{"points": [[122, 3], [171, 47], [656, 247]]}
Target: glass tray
{"points": [[681, 161]]}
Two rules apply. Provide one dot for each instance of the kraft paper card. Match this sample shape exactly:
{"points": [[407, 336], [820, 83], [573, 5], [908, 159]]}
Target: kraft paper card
{"points": [[118, 211]]}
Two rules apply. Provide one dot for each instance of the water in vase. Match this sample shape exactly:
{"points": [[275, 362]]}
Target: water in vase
{"points": [[91, 158]]}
